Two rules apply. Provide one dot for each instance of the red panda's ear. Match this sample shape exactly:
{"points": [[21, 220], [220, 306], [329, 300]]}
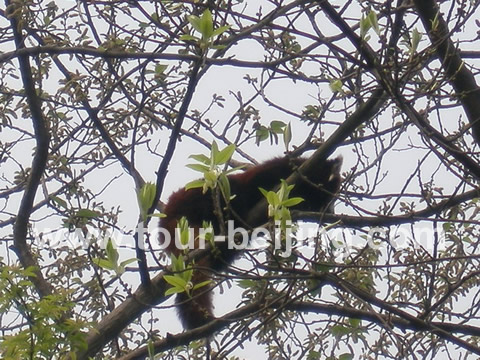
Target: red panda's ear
{"points": [[336, 166]]}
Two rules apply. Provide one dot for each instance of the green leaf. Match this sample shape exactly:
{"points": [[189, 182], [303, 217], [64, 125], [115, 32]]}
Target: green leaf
{"points": [[206, 24], [272, 198], [87, 213], [292, 201], [283, 191], [128, 261], [176, 281], [246, 283], [178, 264], [151, 349], [261, 134], [160, 68], [201, 158], [364, 26], [195, 184], [214, 150], [195, 22], [199, 167], [284, 215], [211, 176], [224, 155], [263, 191], [203, 24], [203, 283], [277, 126], [322, 268], [182, 224], [103, 263], [173, 290], [229, 171], [372, 17], [336, 85], [187, 37], [225, 187], [30, 271], [220, 30], [354, 322], [218, 47], [416, 37], [187, 275], [287, 135], [146, 197], [59, 201], [112, 253], [435, 22], [158, 215], [339, 330]]}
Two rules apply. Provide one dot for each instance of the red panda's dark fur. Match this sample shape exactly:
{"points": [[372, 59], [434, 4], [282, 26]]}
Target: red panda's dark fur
{"points": [[197, 207]]}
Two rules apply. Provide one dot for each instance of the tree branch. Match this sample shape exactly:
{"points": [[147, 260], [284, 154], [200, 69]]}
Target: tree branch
{"points": [[144, 298], [42, 137], [415, 323], [462, 80], [399, 321], [383, 220]]}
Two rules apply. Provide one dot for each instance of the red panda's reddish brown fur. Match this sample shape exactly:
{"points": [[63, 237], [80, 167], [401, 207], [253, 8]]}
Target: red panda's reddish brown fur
{"points": [[318, 193]]}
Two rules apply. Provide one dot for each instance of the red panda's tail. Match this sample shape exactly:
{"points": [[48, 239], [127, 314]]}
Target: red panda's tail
{"points": [[196, 309]]}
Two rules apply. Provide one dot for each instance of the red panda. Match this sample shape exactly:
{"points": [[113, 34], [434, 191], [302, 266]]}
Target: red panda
{"points": [[318, 191]]}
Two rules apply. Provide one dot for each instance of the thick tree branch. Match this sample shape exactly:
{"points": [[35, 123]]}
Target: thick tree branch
{"points": [[202, 332], [144, 298], [383, 220], [380, 319], [42, 137], [462, 80], [401, 321]]}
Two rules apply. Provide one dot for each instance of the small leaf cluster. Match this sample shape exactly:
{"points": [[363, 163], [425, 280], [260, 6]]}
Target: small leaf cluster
{"points": [[369, 22], [212, 170], [145, 198], [279, 202], [183, 228], [272, 131], [111, 263], [181, 280], [336, 85], [204, 25], [77, 218], [412, 42]]}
